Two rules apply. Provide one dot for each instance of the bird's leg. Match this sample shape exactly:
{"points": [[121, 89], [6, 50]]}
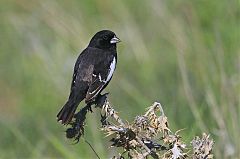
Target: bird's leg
{"points": [[100, 100], [89, 106]]}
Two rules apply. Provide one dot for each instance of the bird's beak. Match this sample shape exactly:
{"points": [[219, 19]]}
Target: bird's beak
{"points": [[115, 39]]}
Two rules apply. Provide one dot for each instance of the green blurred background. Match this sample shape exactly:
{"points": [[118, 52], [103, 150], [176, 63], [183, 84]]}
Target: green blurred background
{"points": [[184, 54]]}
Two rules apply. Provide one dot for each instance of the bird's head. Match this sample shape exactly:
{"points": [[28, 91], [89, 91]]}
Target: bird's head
{"points": [[104, 39]]}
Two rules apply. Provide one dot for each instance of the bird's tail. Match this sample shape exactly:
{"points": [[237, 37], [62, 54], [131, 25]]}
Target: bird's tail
{"points": [[66, 114]]}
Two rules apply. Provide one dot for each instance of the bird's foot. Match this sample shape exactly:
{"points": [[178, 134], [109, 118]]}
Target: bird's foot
{"points": [[100, 100], [89, 107]]}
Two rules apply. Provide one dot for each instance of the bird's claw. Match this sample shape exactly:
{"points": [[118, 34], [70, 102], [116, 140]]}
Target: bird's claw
{"points": [[101, 99]]}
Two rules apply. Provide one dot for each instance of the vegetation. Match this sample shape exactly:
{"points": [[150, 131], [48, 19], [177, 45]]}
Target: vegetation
{"points": [[183, 53], [148, 135]]}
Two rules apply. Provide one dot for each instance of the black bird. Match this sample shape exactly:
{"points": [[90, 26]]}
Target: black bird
{"points": [[92, 72]]}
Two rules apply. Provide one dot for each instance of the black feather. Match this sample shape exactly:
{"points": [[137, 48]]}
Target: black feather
{"points": [[93, 62]]}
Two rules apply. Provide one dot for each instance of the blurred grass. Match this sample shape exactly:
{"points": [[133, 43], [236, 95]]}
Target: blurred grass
{"points": [[185, 54]]}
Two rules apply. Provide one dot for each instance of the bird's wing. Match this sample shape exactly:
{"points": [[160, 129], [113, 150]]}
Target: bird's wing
{"points": [[83, 69], [82, 76], [94, 89], [100, 78], [76, 71]]}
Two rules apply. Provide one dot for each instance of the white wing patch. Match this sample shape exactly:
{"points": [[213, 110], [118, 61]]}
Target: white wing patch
{"points": [[109, 76], [110, 73], [112, 68]]}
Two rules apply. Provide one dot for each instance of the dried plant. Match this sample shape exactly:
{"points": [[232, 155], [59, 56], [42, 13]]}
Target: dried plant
{"points": [[202, 147], [148, 135]]}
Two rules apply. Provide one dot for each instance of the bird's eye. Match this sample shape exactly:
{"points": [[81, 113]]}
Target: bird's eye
{"points": [[105, 37]]}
